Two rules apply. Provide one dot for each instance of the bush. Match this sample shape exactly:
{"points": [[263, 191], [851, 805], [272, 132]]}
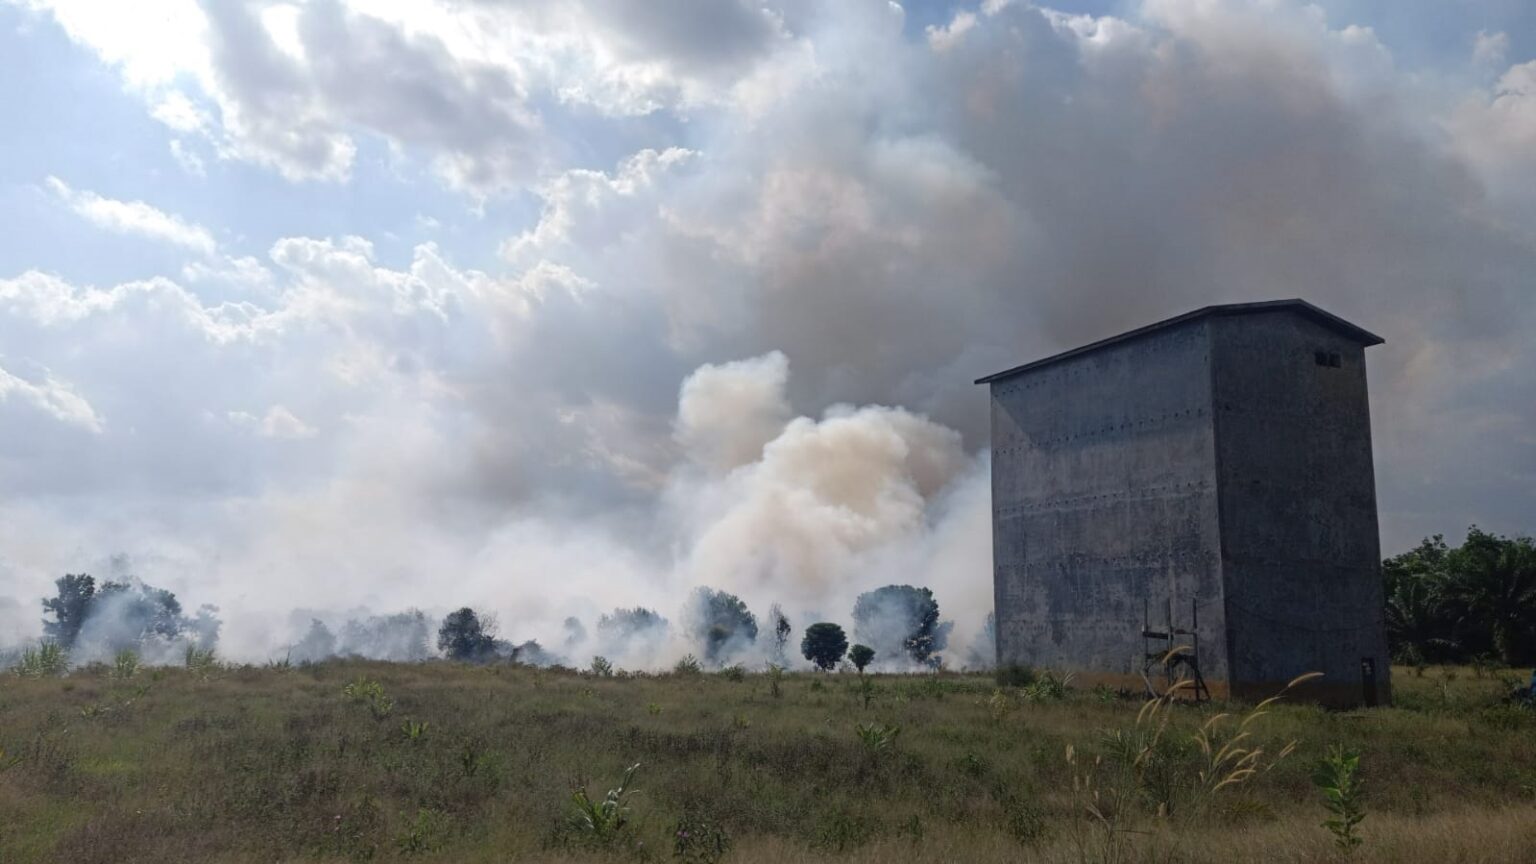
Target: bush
{"points": [[861, 655], [689, 665]]}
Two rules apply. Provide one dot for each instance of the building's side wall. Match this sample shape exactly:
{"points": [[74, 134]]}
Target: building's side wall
{"points": [[1104, 499], [1300, 547]]}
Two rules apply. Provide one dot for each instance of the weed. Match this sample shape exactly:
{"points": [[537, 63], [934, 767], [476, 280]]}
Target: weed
{"points": [[653, 709], [1338, 776], [47, 660], [425, 833], [413, 730], [200, 660], [125, 664], [775, 680], [370, 693], [602, 820], [1046, 687], [699, 840], [877, 738]]}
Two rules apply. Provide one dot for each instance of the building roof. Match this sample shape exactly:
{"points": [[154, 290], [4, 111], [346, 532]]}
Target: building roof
{"points": [[1301, 307]]}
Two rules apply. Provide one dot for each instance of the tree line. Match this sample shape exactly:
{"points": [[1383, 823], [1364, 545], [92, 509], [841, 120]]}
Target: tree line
{"points": [[1458, 604]]}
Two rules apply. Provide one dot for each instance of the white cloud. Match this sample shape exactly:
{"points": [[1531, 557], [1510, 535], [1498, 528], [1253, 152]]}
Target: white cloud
{"points": [[55, 398], [134, 217]]}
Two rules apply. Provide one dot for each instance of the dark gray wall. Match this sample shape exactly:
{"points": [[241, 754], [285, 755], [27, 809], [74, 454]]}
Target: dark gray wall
{"points": [[1104, 494], [1299, 538]]}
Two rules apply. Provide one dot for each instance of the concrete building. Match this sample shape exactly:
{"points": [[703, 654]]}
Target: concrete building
{"points": [[1210, 474]]}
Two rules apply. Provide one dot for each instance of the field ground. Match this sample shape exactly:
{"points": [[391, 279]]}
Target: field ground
{"points": [[259, 765]]}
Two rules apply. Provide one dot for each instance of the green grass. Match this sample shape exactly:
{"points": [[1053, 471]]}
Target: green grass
{"points": [[246, 764]]}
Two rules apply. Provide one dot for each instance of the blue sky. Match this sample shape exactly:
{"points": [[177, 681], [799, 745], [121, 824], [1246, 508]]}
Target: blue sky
{"points": [[354, 288]]}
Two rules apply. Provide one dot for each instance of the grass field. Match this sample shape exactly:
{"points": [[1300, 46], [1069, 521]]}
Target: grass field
{"points": [[442, 762]]}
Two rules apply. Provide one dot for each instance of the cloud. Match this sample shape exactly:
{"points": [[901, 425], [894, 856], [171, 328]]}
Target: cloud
{"points": [[133, 218], [54, 398]]}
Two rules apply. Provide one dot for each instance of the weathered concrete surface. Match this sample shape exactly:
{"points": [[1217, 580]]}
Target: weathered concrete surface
{"points": [[1213, 462]]}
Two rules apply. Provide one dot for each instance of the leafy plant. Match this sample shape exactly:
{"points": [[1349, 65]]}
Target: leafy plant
{"points": [[1338, 776], [46, 660], [370, 693], [602, 819], [689, 665], [601, 667], [877, 738], [200, 660], [125, 664], [413, 730], [736, 672], [1046, 687]]}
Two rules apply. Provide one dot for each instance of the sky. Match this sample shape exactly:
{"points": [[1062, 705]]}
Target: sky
{"points": [[547, 307]]}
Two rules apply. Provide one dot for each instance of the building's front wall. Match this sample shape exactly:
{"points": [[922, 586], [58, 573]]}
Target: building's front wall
{"points": [[1104, 502], [1299, 536]]}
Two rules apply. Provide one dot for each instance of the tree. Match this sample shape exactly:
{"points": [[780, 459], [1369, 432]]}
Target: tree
{"points": [[720, 622], [824, 644], [1452, 604], [861, 655], [1493, 585], [465, 636], [318, 643], [69, 608], [900, 619], [781, 631]]}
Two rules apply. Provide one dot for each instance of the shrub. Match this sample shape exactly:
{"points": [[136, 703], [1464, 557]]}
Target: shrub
{"points": [[601, 667], [370, 693], [877, 738], [689, 665], [425, 833], [735, 672]]}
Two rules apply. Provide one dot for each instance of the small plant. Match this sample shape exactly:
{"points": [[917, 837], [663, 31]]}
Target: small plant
{"points": [[689, 665], [860, 656], [47, 660], [1046, 687], [370, 693], [1338, 776], [775, 680], [697, 840], [735, 672], [877, 737], [125, 664], [425, 833], [742, 721], [7, 764], [200, 660], [413, 730], [866, 690], [601, 667], [999, 706], [653, 709], [282, 665], [602, 820]]}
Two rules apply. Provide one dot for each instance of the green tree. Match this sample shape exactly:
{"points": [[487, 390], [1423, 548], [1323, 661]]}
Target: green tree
{"points": [[466, 636], [824, 644], [861, 655], [720, 622], [900, 619], [1492, 585], [69, 608]]}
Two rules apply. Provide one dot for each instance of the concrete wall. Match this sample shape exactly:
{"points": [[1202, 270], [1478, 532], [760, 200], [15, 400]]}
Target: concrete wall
{"points": [[1299, 541], [1104, 495]]}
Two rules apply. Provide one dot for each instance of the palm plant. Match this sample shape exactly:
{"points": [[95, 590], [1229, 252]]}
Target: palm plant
{"points": [[605, 818]]}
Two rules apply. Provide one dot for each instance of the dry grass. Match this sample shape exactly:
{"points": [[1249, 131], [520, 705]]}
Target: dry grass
{"points": [[278, 765]]}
